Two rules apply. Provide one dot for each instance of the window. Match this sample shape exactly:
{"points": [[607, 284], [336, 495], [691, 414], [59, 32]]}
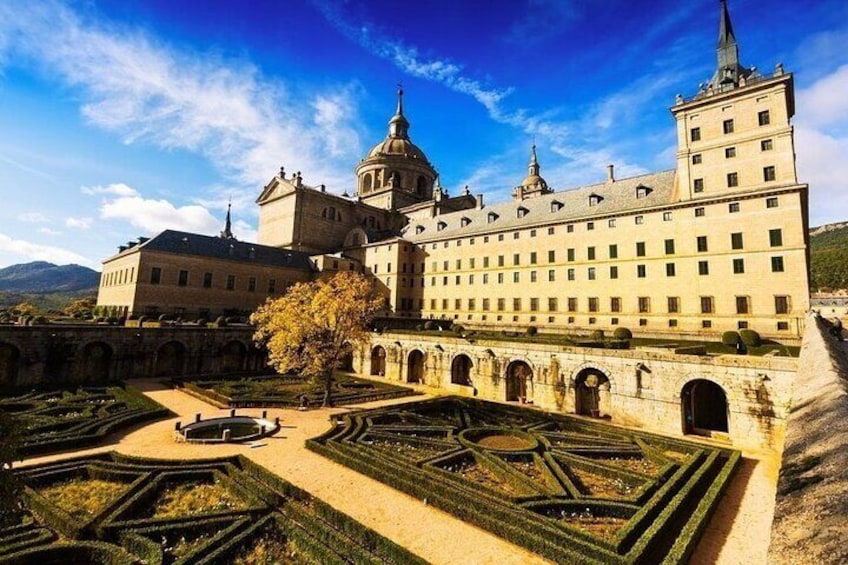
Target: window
{"points": [[672, 323], [551, 231], [613, 272], [464, 221], [440, 226], [777, 264], [570, 274], [155, 275], [516, 277], [590, 226], [182, 280], [768, 173], [532, 276], [251, 284], [501, 304], [669, 270], [703, 267], [445, 265], [207, 280], [471, 263], [551, 275], [706, 324], [729, 152], [534, 304], [781, 304], [615, 304], [551, 256], [742, 305], [532, 257], [457, 304], [696, 159], [470, 279], [736, 240], [500, 260], [763, 118], [492, 217], [590, 253], [595, 199], [700, 212], [522, 211], [669, 247], [673, 304], [732, 180], [472, 304], [701, 243], [485, 304], [644, 304], [457, 280], [782, 326], [500, 278], [695, 134], [639, 220], [572, 304], [516, 259], [666, 216], [516, 304], [485, 278], [516, 235], [738, 266], [771, 202], [231, 282], [569, 228], [698, 185], [640, 271], [593, 304], [570, 253], [706, 305], [272, 286], [640, 249], [591, 273], [556, 206], [486, 262], [727, 126], [613, 251], [552, 304], [776, 237], [733, 207], [766, 145]]}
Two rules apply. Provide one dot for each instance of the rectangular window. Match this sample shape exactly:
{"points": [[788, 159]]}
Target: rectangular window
{"points": [[700, 212], [532, 257], [593, 304], [485, 278], [551, 275], [470, 279], [569, 228], [552, 304], [644, 304], [776, 237], [572, 304], [701, 243], [742, 305], [611, 222], [457, 304], [639, 220], [485, 304], [613, 251], [590, 254], [182, 280], [733, 207], [703, 267], [732, 180], [667, 216], [472, 304], [670, 270], [516, 305], [736, 241], [706, 305], [781, 304], [458, 265], [729, 152], [570, 274], [501, 304], [251, 284], [695, 134], [155, 275], [231, 282], [738, 266], [615, 304], [640, 249], [613, 272], [532, 276], [590, 226], [444, 303], [591, 273], [207, 280], [696, 159], [551, 256], [500, 260], [570, 253], [641, 271], [516, 277], [698, 185], [500, 278], [272, 286], [771, 202], [534, 304], [768, 173], [763, 118], [673, 304], [777, 264], [669, 247], [766, 145], [727, 126], [471, 263], [485, 262], [457, 280]]}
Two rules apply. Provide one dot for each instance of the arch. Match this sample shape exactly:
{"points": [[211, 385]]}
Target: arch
{"points": [[170, 359], [378, 361], [367, 182], [9, 361], [704, 408], [587, 388], [346, 361], [461, 370], [421, 185], [233, 356], [96, 361], [415, 367], [519, 381], [355, 237]]}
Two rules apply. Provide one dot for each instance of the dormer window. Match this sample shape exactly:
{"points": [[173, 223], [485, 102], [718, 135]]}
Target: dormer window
{"points": [[556, 206], [464, 221], [441, 225], [642, 191], [595, 199], [419, 229], [522, 211], [492, 217]]}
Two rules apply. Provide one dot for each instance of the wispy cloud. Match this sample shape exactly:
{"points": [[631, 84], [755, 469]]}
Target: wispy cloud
{"points": [[33, 218], [117, 189], [78, 223], [49, 231], [18, 250]]}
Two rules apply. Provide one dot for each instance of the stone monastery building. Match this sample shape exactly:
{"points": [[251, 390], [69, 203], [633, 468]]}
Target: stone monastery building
{"points": [[718, 243]]}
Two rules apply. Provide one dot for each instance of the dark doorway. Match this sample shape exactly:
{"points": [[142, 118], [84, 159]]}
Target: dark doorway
{"points": [[233, 355], [704, 406], [95, 363], [378, 361], [9, 358], [170, 359], [519, 377], [415, 367], [461, 370], [346, 362], [587, 392]]}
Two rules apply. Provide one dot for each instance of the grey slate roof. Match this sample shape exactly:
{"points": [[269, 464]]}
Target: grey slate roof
{"points": [[186, 243], [616, 197]]}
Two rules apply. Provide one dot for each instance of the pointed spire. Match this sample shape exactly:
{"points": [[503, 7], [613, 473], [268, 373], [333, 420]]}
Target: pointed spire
{"points": [[533, 168], [399, 110], [725, 29], [729, 70], [228, 225], [398, 125]]}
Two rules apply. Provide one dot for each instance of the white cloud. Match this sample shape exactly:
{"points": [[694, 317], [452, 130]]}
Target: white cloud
{"points": [[244, 231], [48, 231], [78, 223], [33, 218], [153, 216], [17, 250], [116, 189]]}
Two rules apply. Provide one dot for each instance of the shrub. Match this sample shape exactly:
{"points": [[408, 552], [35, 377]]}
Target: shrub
{"points": [[730, 337], [458, 328], [430, 325], [597, 335], [221, 322], [112, 321], [532, 330], [622, 333], [750, 338]]}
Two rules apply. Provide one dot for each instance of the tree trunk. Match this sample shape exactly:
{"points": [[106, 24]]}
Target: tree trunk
{"points": [[328, 390]]}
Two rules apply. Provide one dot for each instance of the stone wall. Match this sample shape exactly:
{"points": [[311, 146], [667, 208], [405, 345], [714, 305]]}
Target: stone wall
{"points": [[644, 387], [811, 514], [32, 355]]}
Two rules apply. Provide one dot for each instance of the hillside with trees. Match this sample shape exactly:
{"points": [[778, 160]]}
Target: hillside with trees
{"points": [[45, 285], [829, 257]]}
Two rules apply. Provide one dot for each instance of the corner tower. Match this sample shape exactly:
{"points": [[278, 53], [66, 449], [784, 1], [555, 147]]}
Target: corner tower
{"points": [[395, 173], [533, 185]]}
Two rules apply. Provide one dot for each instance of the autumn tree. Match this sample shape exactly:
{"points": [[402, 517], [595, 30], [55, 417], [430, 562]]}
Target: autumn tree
{"points": [[81, 307], [312, 326], [26, 309]]}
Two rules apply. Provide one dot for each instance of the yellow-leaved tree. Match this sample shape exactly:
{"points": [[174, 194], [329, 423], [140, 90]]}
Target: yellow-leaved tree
{"points": [[313, 325]]}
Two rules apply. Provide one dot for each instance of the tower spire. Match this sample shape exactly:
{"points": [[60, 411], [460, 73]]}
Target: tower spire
{"points": [[398, 125], [533, 168], [228, 225], [729, 70]]}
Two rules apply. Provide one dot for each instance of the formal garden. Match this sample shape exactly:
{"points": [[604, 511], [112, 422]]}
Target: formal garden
{"points": [[571, 490], [287, 391], [114, 509], [55, 419]]}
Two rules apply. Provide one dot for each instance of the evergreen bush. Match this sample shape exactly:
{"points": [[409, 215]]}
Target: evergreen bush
{"points": [[730, 337], [622, 333], [750, 338]]}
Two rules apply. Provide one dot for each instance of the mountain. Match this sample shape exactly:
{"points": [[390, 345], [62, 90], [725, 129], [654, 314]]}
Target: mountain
{"points": [[829, 257], [44, 277]]}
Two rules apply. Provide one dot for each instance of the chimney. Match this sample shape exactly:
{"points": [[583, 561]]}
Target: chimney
{"points": [[479, 198], [323, 188], [610, 173]]}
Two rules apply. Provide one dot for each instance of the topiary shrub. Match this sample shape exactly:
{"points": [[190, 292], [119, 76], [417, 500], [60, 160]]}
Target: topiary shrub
{"points": [[430, 326], [750, 338], [532, 330], [730, 337], [597, 335], [622, 333], [458, 329], [221, 322]]}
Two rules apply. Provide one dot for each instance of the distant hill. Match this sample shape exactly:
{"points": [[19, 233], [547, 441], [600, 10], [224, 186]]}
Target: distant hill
{"points": [[829, 257], [44, 277]]}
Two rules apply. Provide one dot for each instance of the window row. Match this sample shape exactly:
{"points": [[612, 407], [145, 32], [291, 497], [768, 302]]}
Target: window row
{"points": [[769, 174], [114, 278], [231, 282], [729, 126]]}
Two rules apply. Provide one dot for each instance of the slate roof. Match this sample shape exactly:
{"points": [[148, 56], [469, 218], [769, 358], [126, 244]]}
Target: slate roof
{"points": [[615, 197], [186, 243]]}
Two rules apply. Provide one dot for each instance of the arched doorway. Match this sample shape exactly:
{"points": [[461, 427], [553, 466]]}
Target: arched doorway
{"points": [[519, 381], [170, 359], [346, 361], [415, 367], [587, 392], [9, 359], [461, 370], [233, 355], [704, 405], [378, 361], [96, 361]]}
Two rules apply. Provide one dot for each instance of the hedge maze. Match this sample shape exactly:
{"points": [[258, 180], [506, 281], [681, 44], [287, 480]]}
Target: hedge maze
{"points": [[59, 419], [114, 509], [571, 490], [288, 391]]}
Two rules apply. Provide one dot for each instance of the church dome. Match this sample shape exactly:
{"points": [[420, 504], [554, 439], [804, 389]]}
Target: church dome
{"points": [[397, 146]]}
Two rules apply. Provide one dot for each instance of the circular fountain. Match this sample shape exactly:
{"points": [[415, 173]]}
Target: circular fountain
{"points": [[228, 429]]}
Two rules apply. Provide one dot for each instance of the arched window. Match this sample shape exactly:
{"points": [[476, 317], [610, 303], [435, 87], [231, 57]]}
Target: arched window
{"points": [[704, 407], [421, 185], [367, 183], [461, 370]]}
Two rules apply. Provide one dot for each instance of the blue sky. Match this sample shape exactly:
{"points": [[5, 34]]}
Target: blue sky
{"points": [[123, 118]]}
